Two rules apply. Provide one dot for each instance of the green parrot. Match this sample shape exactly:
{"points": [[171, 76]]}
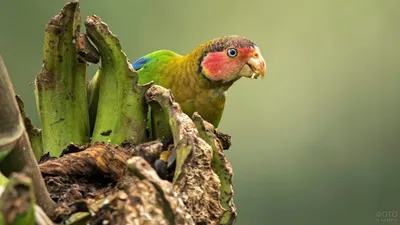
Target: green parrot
{"points": [[200, 79]]}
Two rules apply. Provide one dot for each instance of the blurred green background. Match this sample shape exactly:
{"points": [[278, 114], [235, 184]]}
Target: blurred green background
{"points": [[315, 142]]}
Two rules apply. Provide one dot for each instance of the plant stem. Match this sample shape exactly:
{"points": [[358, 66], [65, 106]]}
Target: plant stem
{"points": [[121, 111], [60, 87], [14, 138], [35, 135]]}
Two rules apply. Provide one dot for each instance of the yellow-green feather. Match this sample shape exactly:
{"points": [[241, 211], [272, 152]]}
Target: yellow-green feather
{"points": [[191, 89]]}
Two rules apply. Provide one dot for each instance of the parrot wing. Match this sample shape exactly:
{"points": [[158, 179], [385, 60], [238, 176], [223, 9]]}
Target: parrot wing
{"points": [[140, 63]]}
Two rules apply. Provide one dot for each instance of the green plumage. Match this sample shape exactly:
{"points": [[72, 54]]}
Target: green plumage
{"points": [[191, 89]]}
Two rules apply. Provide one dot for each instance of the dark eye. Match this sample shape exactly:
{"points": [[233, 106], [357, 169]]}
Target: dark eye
{"points": [[232, 52]]}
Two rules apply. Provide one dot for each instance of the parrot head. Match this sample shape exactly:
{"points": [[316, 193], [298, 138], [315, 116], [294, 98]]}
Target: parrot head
{"points": [[229, 58]]}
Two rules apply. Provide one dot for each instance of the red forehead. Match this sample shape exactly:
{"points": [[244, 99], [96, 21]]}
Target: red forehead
{"points": [[244, 52]]}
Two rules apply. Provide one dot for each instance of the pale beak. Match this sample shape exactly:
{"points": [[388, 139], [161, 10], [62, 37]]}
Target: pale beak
{"points": [[254, 67]]}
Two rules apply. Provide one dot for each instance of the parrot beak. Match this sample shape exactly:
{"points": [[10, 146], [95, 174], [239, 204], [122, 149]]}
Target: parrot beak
{"points": [[254, 67]]}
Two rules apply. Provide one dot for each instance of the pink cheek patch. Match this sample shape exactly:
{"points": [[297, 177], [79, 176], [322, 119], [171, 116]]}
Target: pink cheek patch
{"points": [[217, 66]]}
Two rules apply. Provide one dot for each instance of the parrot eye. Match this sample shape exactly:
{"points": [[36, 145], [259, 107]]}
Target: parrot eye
{"points": [[232, 52]]}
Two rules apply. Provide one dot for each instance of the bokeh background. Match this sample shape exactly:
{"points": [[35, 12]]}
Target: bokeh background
{"points": [[318, 140]]}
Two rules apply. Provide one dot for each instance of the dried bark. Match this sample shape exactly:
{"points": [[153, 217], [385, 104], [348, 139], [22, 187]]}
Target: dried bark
{"points": [[99, 159], [86, 50], [194, 179], [221, 166], [131, 192]]}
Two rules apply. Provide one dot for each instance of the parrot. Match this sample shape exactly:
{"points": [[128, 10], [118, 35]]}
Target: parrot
{"points": [[199, 80]]}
